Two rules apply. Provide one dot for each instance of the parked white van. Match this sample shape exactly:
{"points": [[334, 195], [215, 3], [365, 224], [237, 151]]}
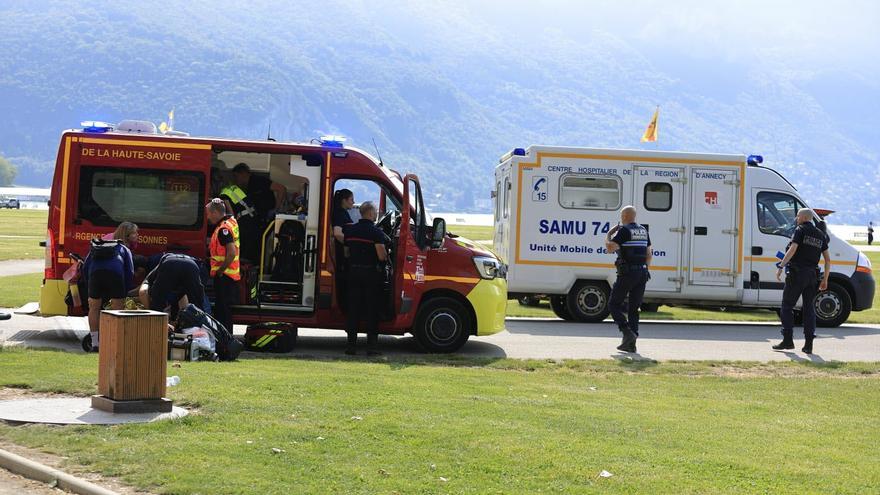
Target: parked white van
{"points": [[718, 224]]}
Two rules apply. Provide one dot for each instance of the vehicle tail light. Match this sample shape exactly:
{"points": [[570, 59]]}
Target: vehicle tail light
{"points": [[51, 249]]}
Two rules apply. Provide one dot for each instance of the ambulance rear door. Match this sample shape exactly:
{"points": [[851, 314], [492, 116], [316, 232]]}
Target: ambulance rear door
{"points": [[502, 200], [713, 233], [659, 198]]}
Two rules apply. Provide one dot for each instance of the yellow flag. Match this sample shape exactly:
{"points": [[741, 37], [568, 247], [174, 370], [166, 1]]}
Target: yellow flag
{"points": [[650, 134]]}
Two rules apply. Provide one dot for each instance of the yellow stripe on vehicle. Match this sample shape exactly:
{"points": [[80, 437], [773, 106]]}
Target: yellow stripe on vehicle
{"points": [[327, 200], [463, 280], [151, 144], [64, 174], [777, 260]]}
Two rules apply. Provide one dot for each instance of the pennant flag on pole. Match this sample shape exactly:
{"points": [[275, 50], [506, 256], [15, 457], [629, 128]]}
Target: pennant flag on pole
{"points": [[167, 126], [650, 134]]}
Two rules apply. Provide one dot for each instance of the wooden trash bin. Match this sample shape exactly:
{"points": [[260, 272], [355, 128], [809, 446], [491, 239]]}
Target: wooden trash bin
{"points": [[132, 362]]}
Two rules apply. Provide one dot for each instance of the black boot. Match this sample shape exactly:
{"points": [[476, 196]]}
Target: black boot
{"points": [[373, 345], [808, 344], [628, 343], [787, 342]]}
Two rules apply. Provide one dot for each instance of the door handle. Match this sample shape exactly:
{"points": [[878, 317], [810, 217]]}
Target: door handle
{"points": [[409, 258], [757, 250]]}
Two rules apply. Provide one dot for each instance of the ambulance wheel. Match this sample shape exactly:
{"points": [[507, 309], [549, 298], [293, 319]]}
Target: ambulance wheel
{"points": [[557, 303], [833, 306], [587, 301], [442, 325]]}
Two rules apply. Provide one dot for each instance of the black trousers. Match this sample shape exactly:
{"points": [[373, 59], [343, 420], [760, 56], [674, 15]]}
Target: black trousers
{"points": [[630, 283], [177, 277], [364, 294], [799, 283], [225, 296]]}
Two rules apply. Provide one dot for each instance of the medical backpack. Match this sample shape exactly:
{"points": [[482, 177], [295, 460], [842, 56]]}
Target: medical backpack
{"points": [[228, 348]]}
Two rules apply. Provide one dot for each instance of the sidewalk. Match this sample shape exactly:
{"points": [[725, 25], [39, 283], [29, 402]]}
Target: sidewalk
{"points": [[20, 267]]}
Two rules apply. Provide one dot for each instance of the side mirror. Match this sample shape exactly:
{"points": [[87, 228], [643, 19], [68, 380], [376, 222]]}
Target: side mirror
{"points": [[438, 234]]}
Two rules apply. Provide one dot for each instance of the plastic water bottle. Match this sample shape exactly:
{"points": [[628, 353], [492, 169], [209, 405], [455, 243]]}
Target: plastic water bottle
{"points": [[172, 380]]}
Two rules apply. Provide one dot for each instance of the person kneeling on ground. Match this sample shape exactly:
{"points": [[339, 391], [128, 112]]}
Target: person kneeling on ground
{"points": [[176, 280]]}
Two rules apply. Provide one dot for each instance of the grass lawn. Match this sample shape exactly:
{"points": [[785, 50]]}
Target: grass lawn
{"points": [[483, 426], [28, 227], [20, 289], [472, 232]]}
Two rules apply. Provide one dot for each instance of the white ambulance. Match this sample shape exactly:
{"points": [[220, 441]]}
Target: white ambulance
{"points": [[718, 224]]}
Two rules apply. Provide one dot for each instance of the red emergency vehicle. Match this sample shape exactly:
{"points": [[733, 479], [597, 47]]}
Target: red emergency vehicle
{"points": [[442, 288]]}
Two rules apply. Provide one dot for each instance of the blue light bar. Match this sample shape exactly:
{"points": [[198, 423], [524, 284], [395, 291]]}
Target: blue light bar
{"points": [[755, 160], [333, 141], [95, 126], [519, 152]]}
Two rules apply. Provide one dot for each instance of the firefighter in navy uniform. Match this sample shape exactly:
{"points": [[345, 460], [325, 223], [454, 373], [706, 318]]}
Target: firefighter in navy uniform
{"points": [[633, 246], [367, 257], [224, 262], [801, 259]]}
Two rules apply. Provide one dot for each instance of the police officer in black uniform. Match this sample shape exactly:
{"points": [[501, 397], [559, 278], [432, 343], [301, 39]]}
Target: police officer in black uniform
{"points": [[801, 260], [633, 246], [367, 256]]}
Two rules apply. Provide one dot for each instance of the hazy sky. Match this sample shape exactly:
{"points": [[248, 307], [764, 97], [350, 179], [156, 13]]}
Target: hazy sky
{"points": [[802, 35]]}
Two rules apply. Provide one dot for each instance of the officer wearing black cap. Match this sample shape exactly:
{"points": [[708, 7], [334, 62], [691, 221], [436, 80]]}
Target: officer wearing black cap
{"points": [[366, 256], [801, 261], [633, 246]]}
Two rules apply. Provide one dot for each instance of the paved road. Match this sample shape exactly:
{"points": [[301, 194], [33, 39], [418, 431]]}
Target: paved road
{"points": [[544, 339], [20, 267]]}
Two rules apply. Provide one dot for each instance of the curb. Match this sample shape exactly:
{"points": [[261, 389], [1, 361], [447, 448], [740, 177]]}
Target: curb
{"points": [[48, 475]]}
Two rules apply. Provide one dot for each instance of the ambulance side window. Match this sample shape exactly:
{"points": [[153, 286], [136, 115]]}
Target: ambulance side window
{"points": [[591, 192], [777, 213], [506, 200], [658, 196], [151, 198]]}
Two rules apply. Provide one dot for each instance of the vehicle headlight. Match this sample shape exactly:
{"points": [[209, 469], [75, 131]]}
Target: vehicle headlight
{"points": [[488, 267]]}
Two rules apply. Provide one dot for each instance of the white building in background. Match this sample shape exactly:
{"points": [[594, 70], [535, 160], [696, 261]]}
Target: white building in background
{"points": [[34, 198]]}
